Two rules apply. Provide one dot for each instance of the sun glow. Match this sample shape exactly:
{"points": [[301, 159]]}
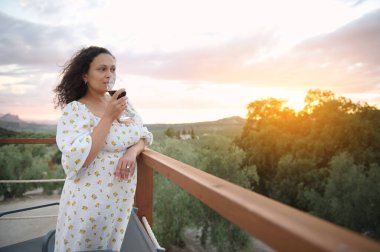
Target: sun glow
{"points": [[296, 104]]}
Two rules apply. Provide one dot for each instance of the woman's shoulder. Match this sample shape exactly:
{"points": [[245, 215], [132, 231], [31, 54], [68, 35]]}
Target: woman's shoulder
{"points": [[74, 107]]}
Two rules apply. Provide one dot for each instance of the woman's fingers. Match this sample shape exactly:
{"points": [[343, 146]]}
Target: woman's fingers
{"points": [[117, 93], [129, 170], [117, 172], [124, 170]]}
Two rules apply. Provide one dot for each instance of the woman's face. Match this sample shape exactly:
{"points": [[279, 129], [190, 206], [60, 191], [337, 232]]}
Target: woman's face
{"points": [[102, 68]]}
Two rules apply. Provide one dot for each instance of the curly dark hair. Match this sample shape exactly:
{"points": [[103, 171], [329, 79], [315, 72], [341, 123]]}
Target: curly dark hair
{"points": [[72, 86]]}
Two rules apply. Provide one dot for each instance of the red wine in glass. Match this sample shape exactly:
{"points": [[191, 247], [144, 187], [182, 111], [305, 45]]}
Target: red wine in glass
{"points": [[127, 113], [111, 92]]}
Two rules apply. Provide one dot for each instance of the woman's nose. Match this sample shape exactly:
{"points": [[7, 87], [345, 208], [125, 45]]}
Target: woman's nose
{"points": [[109, 74]]}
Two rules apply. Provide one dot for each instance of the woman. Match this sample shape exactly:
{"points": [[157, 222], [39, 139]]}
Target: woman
{"points": [[98, 155]]}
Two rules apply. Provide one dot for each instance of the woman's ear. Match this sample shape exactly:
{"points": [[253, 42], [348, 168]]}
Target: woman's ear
{"points": [[84, 77]]}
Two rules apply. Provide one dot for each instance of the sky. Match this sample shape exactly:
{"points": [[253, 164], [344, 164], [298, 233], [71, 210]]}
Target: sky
{"points": [[189, 61]]}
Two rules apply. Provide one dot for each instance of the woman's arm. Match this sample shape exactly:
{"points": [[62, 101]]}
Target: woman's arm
{"points": [[127, 163], [99, 135], [100, 132]]}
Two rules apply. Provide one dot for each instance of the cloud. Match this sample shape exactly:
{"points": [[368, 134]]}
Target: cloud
{"points": [[28, 44], [347, 58], [350, 52], [48, 8], [354, 3], [208, 63]]}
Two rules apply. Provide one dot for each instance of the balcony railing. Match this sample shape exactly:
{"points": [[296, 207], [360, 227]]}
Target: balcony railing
{"points": [[280, 226]]}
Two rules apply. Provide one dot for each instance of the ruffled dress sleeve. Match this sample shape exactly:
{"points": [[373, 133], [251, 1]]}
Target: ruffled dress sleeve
{"points": [[145, 134], [74, 138]]}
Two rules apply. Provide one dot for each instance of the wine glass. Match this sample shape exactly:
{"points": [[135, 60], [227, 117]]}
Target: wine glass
{"points": [[127, 113]]}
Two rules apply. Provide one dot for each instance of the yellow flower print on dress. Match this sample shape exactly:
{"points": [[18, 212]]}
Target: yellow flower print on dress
{"points": [[85, 208], [82, 231]]}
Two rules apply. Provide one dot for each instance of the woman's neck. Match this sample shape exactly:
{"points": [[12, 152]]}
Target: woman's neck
{"points": [[95, 97]]}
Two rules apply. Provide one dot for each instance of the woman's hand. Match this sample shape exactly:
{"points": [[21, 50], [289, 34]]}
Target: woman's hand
{"points": [[116, 106], [127, 165]]}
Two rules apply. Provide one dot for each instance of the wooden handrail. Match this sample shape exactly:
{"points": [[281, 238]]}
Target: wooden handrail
{"points": [[280, 226]]}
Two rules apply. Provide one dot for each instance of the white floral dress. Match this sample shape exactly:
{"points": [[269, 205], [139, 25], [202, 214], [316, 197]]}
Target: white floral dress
{"points": [[95, 206]]}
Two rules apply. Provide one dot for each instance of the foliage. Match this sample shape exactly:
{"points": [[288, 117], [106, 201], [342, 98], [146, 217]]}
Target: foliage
{"points": [[175, 210], [218, 156], [27, 162], [299, 160], [351, 196], [173, 207]]}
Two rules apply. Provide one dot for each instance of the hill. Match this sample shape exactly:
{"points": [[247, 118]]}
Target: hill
{"points": [[230, 126], [14, 123]]}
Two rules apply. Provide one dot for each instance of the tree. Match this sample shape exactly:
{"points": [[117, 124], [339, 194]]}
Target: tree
{"points": [[193, 136], [175, 210], [218, 156], [23, 162], [170, 132], [297, 156], [351, 196]]}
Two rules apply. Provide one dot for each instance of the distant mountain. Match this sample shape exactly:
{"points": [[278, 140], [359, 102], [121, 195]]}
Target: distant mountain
{"points": [[230, 126], [10, 118], [14, 123], [228, 120], [232, 120]]}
